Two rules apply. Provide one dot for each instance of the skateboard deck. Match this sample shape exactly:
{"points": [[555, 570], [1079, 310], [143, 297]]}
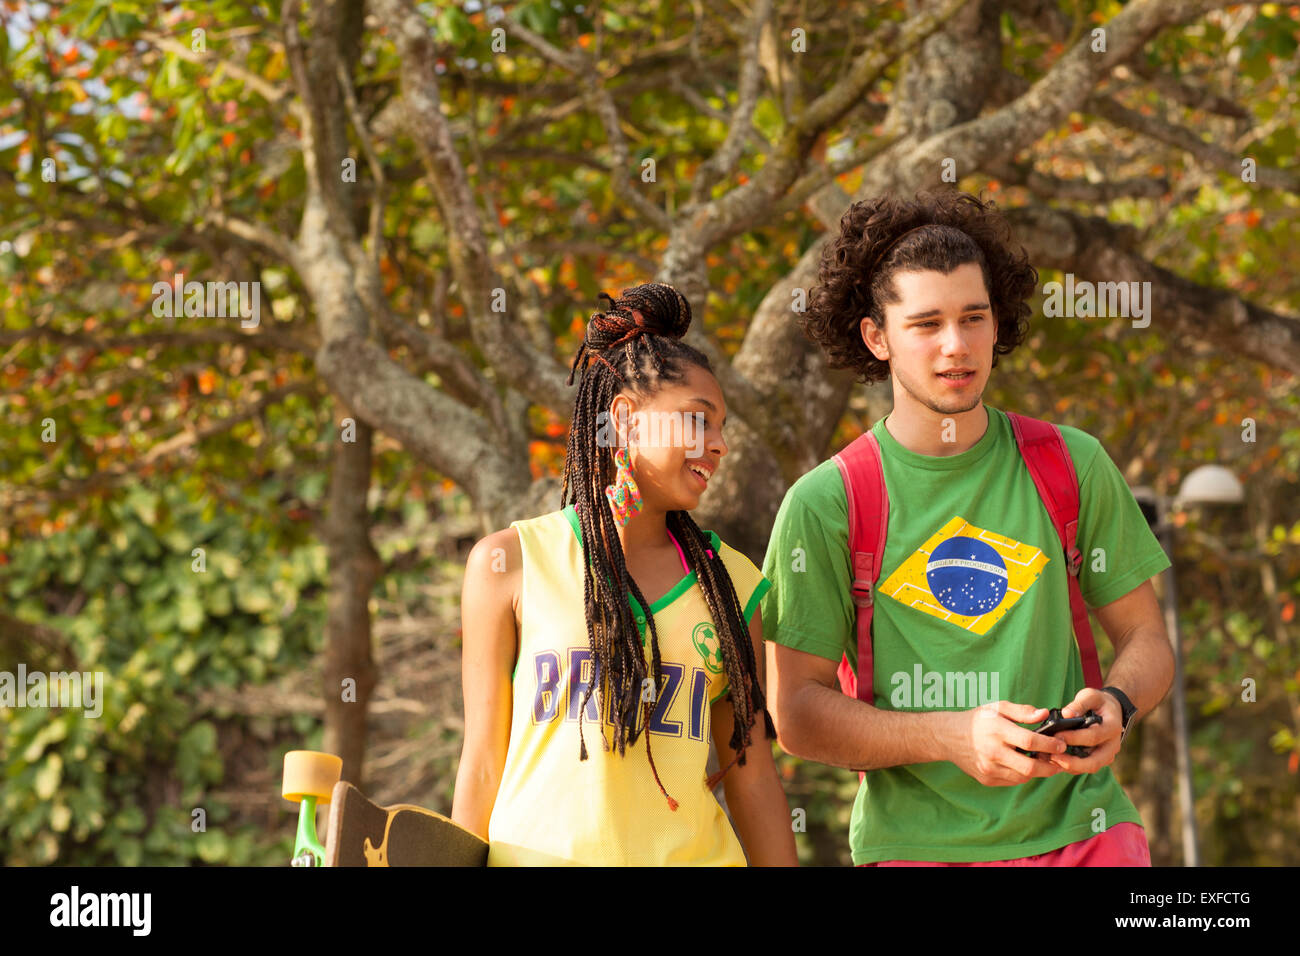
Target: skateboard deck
{"points": [[362, 833]]}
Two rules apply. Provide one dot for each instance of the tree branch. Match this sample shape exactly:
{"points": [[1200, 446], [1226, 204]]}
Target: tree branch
{"points": [[599, 98], [536, 373], [1099, 251], [1065, 189], [252, 233], [1062, 89], [818, 179], [268, 91], [450, 363], [1190, 142], [724, 160], [436, 429], [267, 338], [1193, 97], [372, 158], [741, 208], [16, 632], [185, 438]]}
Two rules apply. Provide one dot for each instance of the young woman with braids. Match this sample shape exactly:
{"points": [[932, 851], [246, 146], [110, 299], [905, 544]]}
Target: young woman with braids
{"points": [[603, 645]]}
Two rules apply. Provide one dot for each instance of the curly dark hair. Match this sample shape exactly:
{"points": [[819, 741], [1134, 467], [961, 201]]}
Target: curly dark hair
{"points": [[643, 355], [884, 236]]}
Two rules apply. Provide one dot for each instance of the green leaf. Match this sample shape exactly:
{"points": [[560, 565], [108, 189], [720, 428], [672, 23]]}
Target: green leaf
{"points": [[52, 732], [268, 642], [144, 503], [454, 26], [129, 852], [767, 118], [218, 600], [184, 662], [189, 613], [213, 846], [541, 17], [130, 820], [252, 597], [424, 236], [48, 777], [223, 561]]}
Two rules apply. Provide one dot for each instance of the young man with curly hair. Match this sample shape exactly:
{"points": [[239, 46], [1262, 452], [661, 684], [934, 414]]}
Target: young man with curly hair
{"points": [[971, 634]]}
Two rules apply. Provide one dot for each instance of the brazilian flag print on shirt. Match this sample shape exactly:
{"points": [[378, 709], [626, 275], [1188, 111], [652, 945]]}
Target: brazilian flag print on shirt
{"points": [[966, 575], [972, 605]]}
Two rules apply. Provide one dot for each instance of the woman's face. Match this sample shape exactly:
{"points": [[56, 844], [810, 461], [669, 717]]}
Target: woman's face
{"points": [[674, 439]]}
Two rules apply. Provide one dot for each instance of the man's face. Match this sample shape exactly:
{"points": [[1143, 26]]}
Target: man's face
{"points": [[941, 324]]}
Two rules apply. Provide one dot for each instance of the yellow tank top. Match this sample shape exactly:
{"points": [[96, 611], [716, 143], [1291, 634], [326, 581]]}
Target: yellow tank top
{"points": [[553, 809]]}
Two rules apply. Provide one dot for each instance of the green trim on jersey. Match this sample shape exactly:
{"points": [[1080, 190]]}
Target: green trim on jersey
{"points": [[676, 591]]}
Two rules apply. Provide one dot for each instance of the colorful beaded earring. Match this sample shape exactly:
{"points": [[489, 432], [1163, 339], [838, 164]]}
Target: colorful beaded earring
{"points": [[624, 496]]}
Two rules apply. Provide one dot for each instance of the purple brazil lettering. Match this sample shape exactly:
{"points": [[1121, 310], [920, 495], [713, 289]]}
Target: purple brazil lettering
{"points": [[559, 689]]}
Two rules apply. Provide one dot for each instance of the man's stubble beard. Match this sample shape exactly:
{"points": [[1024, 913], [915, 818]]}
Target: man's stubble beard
{"points": [[957, 401]]}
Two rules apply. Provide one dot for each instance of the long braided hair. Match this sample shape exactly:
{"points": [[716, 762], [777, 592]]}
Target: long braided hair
{"points": [[621, 353]]}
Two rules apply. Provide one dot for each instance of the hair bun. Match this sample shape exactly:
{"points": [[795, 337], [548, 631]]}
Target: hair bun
{"points": [[663, 311]]}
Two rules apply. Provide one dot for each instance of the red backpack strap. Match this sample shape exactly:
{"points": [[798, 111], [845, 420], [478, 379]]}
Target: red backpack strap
{"points": [[1049, 463], [864, 486]]}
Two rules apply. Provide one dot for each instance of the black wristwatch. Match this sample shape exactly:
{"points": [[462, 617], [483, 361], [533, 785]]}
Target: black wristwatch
{"points": [[1127, 710]]}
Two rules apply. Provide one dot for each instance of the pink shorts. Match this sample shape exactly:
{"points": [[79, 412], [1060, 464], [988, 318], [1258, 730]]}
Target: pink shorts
{"points": [[1124, 844]]}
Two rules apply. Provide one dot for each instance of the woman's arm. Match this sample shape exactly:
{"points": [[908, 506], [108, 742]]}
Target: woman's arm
{"points": [[754, 795], [489, 643]]}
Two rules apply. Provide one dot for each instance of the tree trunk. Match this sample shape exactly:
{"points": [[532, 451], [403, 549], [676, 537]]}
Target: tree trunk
{"points": [[353, 569]]}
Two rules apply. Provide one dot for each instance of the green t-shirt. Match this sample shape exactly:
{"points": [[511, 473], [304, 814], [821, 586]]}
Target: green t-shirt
{"points": [[972, 605]]}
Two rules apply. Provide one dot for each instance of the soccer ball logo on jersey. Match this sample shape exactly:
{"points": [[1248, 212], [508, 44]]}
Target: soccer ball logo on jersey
{"points": [[705, 638], [966, 575]]}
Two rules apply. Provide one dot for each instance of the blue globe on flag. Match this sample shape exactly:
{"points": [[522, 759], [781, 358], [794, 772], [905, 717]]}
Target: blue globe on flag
{"points": [[967, 576]]}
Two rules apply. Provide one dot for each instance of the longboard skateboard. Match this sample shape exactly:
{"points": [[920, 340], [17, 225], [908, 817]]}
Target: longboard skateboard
{"points": [[362, 833]]}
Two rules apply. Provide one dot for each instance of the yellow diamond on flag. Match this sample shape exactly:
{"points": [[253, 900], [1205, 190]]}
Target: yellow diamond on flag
{"points": [[966, 575]]}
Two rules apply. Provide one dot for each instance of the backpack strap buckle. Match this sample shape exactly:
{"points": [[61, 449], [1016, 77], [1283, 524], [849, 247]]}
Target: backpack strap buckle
{"points": [[863, 585], [1073, 556]]}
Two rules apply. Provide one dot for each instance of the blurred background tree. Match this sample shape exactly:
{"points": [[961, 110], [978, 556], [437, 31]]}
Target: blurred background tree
{"points": [[430, 196]]}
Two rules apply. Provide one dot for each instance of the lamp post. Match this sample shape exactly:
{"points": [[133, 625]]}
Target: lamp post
{"points": [[1205, 485]]}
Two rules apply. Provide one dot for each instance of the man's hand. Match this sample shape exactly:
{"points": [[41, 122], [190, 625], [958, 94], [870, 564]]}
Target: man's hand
{"points": [[1103, 738], [987, 738]]}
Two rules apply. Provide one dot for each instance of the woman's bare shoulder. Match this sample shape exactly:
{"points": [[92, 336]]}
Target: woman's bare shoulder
{"points": [[498, 553], [494, 578]]}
